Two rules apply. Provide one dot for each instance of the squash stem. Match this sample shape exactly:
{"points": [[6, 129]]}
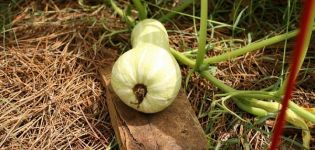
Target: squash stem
{"points": [[129, 20], [140, 92], [141, 9], [240, 51], [184, 60], [250, 109], [202, 34], [302, 43], [252, 94], [303, 113], [252, 47], [239, 101], [217, 82]]}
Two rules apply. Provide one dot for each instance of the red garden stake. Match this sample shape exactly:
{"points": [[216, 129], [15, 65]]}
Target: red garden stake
{"points": [[306, 21]]}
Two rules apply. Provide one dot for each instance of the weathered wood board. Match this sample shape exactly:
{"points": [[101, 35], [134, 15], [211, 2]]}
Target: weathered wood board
{"points": [[175, 128]]}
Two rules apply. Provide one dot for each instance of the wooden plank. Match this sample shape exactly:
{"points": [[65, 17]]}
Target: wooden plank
{"points": [[175, 128]]}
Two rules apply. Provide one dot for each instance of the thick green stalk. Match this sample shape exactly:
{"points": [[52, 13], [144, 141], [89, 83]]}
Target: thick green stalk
{"points": [[252, 94], [292, 117], [182, 58], [179, 8], [250, 109], [216, 82], [243, 50], [303, 113], [239, 102], [141, 9], [121, 13], [202, 34], [257, 107], [252, 47], [257, 103]]}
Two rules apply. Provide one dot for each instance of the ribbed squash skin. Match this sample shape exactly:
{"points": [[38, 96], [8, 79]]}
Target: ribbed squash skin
{"points": [[148, 63]]}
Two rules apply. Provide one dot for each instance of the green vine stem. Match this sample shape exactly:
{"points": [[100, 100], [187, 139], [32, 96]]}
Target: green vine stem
{"points": [[309, 28], [297, 109], [179, 8], [250, 109], [303, 113], [252, 47], [141, 9], [292, 117], [182, 58], [129, 20], [261, 108], [241, 51], [253, 110], [251, 94], [202, 34]]}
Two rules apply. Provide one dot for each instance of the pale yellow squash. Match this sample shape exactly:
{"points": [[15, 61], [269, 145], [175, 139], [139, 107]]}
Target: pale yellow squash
{"points": [[147, 77]]}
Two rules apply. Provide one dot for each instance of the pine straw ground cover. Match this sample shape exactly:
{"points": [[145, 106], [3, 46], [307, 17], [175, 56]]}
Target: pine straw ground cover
{"points": [[51, 96]]}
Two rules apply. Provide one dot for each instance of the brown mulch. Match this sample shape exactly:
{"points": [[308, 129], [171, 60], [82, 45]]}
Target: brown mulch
{"points": [[50, 93]]}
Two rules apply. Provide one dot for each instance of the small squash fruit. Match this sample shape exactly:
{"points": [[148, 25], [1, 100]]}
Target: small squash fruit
{"points": [[147, 77]]}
